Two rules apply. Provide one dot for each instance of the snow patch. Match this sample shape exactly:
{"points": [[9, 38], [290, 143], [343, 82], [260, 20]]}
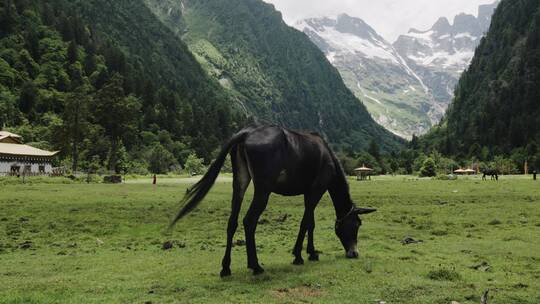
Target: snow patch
{"points": [[465, 35], [349, 43], [458, 60], [369, 97], [424, 38], [331, 56]]}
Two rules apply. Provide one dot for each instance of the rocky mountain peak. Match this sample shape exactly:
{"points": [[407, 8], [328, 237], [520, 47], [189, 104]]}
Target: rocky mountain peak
{"points": [[407, 85], [465, 23], [485, 12], [442, 26], [356, 26]]}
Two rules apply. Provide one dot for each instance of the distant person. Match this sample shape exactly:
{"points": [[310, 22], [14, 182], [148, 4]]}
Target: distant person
{"points": [[154, 180], [534, 174]]}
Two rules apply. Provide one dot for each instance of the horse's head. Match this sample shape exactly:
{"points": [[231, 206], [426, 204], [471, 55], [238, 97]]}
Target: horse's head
{"points": [[347, 230]]}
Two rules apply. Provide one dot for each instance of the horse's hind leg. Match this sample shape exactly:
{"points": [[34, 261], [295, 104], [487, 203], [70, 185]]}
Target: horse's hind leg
{"points": [[258, 205], [241, 179]]}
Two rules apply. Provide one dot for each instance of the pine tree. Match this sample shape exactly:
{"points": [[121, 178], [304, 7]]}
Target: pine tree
{"points": [[75, 119], [117, 113], [72, 52]]}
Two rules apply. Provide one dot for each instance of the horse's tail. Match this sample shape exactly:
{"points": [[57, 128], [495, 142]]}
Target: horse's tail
{"points": [[197, 192]]}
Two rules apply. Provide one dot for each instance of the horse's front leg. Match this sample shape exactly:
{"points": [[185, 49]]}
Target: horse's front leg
{"points": [[307, 225]]}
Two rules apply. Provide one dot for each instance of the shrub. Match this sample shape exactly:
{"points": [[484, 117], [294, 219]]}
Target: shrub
{"points": [[445, 177], [495, 222], [428, 168], [444, 275], [194, 165], [161, 160]]}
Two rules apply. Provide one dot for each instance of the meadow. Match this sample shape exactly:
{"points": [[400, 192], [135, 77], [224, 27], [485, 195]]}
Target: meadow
{"points": [[97, 243]]}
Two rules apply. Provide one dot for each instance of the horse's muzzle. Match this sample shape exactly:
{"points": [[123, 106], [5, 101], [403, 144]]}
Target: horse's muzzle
{"points": [[352, 253]]}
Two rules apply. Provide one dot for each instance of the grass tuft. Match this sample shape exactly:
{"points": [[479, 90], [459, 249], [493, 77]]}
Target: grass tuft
{"points": [[444, 274]]}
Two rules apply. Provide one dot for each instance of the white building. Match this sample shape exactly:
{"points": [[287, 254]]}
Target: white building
{"points": [[17, 158]]}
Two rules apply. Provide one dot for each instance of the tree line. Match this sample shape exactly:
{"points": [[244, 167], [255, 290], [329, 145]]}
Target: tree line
{"points": [[72, 87]]}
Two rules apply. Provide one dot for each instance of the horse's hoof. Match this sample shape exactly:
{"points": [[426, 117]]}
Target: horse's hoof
{"points": [[298, 261], [258, 270], [314, 257], [225, 273]]}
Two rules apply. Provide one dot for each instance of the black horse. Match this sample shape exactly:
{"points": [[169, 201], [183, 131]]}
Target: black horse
{"points": [[494, 173], [285, 162]]}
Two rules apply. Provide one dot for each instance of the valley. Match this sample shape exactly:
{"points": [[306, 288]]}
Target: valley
{"points": [[413, 77]]}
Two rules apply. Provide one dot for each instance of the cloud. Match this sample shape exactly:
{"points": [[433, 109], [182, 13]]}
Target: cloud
{"points": [[389, 17]]}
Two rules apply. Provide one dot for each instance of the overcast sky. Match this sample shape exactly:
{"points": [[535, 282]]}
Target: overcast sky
{"points": [[390, 18]]}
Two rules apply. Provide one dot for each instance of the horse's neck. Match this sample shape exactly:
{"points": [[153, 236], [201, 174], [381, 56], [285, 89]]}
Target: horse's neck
{"points": [[339, 192]]}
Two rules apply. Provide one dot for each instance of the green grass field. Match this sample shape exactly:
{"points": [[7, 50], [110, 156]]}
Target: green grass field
{"points": [[78, 243]]}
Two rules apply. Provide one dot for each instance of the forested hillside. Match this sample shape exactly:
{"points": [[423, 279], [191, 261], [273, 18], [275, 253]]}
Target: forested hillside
{"points": [[497, 105], [108, 85], [275, 71]]}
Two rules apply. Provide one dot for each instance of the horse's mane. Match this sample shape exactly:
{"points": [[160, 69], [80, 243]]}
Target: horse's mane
{"points": [[340, 173]]}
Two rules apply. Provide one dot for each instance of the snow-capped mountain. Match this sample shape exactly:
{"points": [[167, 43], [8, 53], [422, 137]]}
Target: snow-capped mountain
{"points": [[440, 54], [372, 68], [407, 85]]}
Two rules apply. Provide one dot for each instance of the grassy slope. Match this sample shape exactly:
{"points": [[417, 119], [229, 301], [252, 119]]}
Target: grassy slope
{"points": [[65, 263], [403, 113], [272, 69]]}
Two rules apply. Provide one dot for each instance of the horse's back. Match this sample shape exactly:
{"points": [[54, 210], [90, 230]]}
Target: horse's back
{"points": [[287, 162]]}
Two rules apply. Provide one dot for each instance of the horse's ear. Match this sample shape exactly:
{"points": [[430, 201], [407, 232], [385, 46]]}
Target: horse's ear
{"points": [[364, 210]]}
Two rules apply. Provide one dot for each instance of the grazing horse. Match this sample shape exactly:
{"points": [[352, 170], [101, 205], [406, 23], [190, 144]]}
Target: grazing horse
{"points": [[288, 163], [494, 173]]}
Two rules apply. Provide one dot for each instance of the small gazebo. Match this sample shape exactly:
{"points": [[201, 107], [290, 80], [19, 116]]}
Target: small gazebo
{"points": [[470, 171], [459, 171], [363, 173]]}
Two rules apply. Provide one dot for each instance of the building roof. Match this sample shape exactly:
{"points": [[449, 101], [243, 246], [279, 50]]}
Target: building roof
{"points": [[10, 138], [24, 150], [363, 169], [6, 133]]}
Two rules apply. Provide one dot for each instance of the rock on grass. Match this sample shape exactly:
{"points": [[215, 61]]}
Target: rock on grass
{"points": [[167, 245], [170, 245], [26, 245]]}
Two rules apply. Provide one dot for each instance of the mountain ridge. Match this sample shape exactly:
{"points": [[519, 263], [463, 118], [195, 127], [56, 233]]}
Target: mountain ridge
{"points": [[274, 70], [406, 85], [496, 110]]}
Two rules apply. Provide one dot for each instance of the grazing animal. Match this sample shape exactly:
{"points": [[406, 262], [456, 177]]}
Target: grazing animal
{"points": [[494, 173], [285, 162]]}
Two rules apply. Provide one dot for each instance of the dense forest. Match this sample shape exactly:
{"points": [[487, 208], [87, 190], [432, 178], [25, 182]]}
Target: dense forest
{"points": [[272, 69], [108, 85], [496, 110], [494, 120], [148, 86], [111, 86]]}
